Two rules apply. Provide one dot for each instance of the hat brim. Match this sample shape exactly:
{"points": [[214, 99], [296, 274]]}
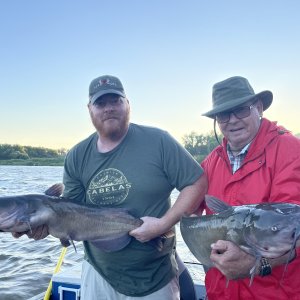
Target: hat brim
{"points": [[266, 97], [104, 92]]}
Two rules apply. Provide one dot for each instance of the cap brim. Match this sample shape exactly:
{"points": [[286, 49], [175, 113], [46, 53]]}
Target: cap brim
{"points": [[266, 97], [104, 92]]}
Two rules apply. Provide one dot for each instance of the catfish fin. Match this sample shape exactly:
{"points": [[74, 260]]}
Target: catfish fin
{"points": [[120, 241], [252, 270], [216, 205], [290, 256], [168, 234], [65, 242], [55, 190], [72, 242], [227, 283], [114, 243], [159, 242], [248, 250]]}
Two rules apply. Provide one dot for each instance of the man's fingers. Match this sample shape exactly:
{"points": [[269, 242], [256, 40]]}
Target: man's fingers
{"points": [[17, 234], [219, 246], [37, 233]]}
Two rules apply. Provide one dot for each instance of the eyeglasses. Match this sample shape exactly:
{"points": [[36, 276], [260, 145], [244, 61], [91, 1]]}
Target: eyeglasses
{"points": [[240, 113]]}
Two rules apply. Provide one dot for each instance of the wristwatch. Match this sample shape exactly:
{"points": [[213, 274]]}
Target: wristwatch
{"points": [[265, 267]]}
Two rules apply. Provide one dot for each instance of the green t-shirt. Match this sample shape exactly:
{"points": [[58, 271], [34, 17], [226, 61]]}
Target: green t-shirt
{"points": [[139, 174]]}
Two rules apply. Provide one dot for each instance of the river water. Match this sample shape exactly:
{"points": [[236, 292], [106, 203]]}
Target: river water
{"points": [[26, 266]]}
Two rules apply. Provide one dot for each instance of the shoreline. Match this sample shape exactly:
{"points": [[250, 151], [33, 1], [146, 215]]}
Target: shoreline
{"points": [[34, 162]]}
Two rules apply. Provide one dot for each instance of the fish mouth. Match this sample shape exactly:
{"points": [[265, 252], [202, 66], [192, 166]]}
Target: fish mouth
{"points": [[11, 220], [13, 224], [273, 251], [274, 248], [8, 220]]}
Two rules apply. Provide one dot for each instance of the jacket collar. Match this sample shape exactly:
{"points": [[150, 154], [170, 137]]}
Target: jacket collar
{"points": [[267, 132]]}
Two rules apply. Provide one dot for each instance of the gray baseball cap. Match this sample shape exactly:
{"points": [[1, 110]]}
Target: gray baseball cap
{"points": [[105, 84]]}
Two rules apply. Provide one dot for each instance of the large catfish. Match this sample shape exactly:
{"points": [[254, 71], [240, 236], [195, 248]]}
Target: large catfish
{"points": [[106, 228], [262, 230]]}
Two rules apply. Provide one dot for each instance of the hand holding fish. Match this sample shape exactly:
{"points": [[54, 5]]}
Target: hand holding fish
{"points": [[38, 215], [150, 229], [241, 235], [37, 233], [232, 262]]}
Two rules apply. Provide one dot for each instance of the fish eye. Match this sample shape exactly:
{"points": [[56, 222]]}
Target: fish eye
{"points": [[274, 228]]}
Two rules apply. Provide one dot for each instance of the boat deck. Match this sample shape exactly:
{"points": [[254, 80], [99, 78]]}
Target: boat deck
{"points": [[66, 286]]}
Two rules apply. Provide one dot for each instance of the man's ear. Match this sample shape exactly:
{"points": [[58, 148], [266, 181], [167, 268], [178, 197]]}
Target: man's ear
{"points": [[89, 106], [259, 106]]}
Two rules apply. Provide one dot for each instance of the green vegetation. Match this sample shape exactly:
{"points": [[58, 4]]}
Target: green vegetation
{"points": [[200, 145], [31, 156]]}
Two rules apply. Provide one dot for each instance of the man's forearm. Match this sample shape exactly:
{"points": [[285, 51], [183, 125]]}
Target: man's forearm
{"points": [[187, 202]]}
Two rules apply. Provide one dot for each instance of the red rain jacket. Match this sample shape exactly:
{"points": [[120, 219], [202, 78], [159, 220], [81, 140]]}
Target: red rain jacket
{"points": [[270, 173]]}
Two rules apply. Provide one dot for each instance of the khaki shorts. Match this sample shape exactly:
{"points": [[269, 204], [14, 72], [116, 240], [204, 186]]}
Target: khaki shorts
{"points": [[94, 287]]}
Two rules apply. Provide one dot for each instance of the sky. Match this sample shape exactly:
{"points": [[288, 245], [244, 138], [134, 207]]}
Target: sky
{"points": [[167, 53]]}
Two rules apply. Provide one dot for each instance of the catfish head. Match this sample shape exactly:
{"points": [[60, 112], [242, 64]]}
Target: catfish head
{"points": [[273, 229], [21, 213], [14, 214]]}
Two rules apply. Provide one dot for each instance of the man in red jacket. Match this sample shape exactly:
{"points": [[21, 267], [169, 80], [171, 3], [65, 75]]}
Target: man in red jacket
{"points": [[258, 161]]}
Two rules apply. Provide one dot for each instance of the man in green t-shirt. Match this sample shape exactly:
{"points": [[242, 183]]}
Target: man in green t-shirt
{"points": [[134, 167]]}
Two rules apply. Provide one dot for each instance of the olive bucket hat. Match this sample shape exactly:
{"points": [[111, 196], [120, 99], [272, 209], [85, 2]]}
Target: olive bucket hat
{"points": [[233, 92]]}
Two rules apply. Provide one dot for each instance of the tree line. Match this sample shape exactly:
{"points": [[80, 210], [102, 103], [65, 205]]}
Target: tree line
{"points": [[8, 152], [198, 145]]}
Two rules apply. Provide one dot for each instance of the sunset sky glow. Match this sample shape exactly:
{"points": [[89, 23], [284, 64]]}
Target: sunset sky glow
{"points": [[168, 54]]}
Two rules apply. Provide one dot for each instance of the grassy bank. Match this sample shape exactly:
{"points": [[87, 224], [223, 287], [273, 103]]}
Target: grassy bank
{"points": [[34, 162]]}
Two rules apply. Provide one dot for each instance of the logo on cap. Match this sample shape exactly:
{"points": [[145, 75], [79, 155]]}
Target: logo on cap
{"points": [[107, 82]]}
